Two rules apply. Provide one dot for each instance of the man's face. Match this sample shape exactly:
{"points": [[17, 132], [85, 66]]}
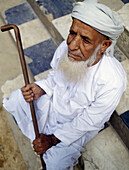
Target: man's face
{"points": [[82, 41]]}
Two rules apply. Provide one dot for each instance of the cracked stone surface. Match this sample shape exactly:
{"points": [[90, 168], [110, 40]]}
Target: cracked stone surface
{"points": [[123, 15], [124, 102], [106, 151]]}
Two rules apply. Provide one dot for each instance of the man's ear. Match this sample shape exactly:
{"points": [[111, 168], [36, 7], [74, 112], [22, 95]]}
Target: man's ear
{"points": [[104, 45]]}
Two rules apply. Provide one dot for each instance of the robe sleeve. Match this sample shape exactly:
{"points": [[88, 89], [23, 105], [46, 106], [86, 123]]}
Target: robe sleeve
{"points": [[93, 117], [47, 84]]}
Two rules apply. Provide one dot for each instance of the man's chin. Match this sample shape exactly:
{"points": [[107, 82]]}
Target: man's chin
{"points": [[72, 70]]}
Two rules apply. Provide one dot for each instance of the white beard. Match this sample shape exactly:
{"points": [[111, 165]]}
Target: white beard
{"points": [[74, 71]]}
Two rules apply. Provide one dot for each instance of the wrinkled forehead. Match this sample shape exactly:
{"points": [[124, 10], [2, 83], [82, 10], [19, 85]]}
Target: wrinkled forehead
{"points": [[85, 29], [99, 16]]}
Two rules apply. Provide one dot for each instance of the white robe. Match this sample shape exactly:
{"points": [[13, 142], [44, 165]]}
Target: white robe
{"points": [[74, 113]]}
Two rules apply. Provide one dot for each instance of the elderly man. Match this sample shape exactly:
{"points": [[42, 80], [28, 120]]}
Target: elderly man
{"points": [[80, 93]]}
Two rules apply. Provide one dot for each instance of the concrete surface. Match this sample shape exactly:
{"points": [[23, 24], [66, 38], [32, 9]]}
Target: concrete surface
{"points": [[10, 156], [106, 152], [123, 41], [63, 24], [124, 102], [123, 15], [33, 28], [11, 152], [115, 5]]}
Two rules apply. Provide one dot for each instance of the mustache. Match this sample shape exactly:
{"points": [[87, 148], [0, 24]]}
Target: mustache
{"points": [[72, 53]]}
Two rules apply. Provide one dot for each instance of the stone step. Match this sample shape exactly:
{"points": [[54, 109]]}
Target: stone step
{"points": [[106, 151], [37, 42], [123, 41]]}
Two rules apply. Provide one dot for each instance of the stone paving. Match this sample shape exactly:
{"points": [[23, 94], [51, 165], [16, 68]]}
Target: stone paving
{"points": [[10, 156], [13, 144], [39, 48]]}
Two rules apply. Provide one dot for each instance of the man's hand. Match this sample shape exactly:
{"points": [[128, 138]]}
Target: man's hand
{"points": [[44, 142], [32, 92]]}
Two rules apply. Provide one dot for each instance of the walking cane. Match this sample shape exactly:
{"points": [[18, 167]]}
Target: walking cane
{"points": [[26, 78]]}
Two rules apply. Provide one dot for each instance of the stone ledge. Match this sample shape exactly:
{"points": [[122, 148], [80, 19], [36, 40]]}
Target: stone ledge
{"points": [[106, 151], [121, 126], [123, 41], [124, 102], [45, 20], [24, 144], [31, 160], [115, 5]]}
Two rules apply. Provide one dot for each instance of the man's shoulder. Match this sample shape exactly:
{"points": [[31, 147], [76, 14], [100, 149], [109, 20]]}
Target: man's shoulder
{"points": [[61, 50], [63, 46], [111, 71], [59, 53]]}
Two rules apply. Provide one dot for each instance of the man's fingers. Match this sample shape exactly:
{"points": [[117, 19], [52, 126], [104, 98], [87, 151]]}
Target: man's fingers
{"points": [[37, 141], [39, 149], [27, 93], [32, 90], [42, 144], [26, 88], [29, 99], [41, 152]]}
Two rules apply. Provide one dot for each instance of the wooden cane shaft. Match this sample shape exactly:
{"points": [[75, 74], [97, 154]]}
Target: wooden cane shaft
{"points": [[26, 77]]}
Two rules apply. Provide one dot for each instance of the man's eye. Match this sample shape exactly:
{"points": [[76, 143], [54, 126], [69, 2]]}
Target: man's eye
{"points": [[86, 40], [72, 32]]}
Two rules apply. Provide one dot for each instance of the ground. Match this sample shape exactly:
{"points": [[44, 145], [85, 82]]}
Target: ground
{"points": [[10, 156]]}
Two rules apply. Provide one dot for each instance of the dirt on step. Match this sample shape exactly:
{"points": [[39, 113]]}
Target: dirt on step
{"points": [[10, 156]]}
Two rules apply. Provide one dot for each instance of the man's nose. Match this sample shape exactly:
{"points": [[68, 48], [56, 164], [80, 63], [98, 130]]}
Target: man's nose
{"points": [[75, 43]]}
